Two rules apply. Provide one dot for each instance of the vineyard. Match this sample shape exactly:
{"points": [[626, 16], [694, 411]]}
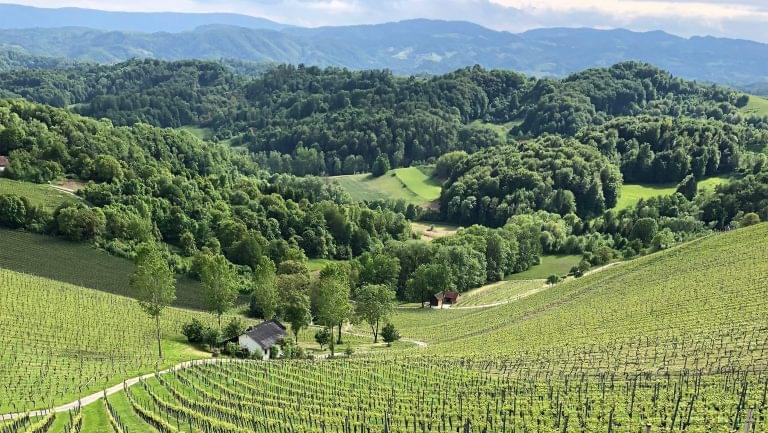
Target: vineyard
{"points": [[53, 258], [61, 341], [676, 341]]}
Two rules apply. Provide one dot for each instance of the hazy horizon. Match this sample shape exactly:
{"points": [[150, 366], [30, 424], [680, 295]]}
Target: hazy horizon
{"points": [[741, 19]]}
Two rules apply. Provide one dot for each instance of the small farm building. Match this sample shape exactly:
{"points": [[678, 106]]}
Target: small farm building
{"points": [[263, 337], [4, 162], [441, 299]]}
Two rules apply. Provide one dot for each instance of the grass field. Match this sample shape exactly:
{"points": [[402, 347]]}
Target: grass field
{"points": [[632, 193], [317, 265], [550, 265], [79, 264], [757, 105], [201, 133], [675, 340], [412, 184], [43, 195], [60, 341], [502, 291], [431, 230], [501, 129]]}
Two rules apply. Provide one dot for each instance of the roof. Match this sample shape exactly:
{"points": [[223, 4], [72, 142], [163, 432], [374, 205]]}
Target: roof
{"points": [[266, 334], [451, 296], [3, 161], [448, 296]]}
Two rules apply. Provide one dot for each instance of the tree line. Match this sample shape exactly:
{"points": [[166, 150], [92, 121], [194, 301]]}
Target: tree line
{"points": [[315, 121]]}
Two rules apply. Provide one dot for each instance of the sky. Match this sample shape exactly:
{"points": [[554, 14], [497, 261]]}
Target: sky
{"points": [[744, 19]]}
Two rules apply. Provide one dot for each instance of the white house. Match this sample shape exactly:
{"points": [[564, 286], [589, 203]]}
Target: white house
{"points": [[262, 338]]}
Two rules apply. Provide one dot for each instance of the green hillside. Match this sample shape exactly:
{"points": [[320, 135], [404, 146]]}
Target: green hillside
{"points": [[43, 195], [633, 193], [79, 264], [670, 341], [757, 105], [709, 289], [412, 184], [62, 341]]}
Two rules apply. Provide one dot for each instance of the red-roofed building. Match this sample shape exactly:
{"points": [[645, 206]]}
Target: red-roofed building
{"points": [[441, 299]]}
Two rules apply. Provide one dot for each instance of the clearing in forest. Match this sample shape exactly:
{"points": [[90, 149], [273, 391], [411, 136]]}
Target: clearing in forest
{"points": [[414, 185]]}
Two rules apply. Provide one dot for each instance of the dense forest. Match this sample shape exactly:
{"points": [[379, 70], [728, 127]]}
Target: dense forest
{"points": [[547, 186], [309, 120], [146, 182]]}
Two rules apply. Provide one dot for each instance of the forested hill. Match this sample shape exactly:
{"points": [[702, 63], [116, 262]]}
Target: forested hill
{"points": [[309, 120], [406, 47]]}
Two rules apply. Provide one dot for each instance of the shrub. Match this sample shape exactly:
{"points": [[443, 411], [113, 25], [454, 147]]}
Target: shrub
{"points": [[194, 331], [322, 337], [389, 334], [349, 351], [211, 336], [234, 328], [553, 279]]}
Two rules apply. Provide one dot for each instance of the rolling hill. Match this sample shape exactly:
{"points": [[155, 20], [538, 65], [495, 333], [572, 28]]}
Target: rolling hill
{"points": [[675, 341], [407, 47]]}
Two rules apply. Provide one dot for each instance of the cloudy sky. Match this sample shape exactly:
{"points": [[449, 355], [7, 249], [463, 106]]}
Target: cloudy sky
{"points": [[746, 19]]}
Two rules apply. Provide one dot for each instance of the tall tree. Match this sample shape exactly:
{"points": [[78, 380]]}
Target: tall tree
{"points": [[374, 303], [154, 285], [219, 284], [265, 297], [296, 311], [333, 292], [427, 280]]}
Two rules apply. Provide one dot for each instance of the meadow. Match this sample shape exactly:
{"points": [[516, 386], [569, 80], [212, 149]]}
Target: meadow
{"points": [[43, 195], [633, 193], [80, 264], [757, 105], [412, 184], [550, 265]]}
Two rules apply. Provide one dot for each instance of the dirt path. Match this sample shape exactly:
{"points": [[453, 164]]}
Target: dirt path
{"points": [[84, 401], [529, 292], [417, 343]]}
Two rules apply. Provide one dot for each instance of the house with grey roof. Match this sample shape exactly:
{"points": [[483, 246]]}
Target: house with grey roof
{"points": [[263, 338]]}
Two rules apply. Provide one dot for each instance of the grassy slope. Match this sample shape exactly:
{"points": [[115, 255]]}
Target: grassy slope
{"points": [[501, 291], [79, 264], [757, 105], [550, 265], [632, 193], [699, 289], [61, 340], [43, 195], [412, 184], [431, 230]]}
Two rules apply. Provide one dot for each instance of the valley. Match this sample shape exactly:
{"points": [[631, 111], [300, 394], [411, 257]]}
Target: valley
{"points": [[236, 225]]}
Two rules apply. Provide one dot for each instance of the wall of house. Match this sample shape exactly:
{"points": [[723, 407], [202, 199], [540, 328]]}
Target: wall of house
{"points": [[247, 342]]}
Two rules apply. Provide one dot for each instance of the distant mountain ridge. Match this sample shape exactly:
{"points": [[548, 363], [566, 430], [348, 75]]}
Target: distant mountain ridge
{"points": [[14, 16], [418, 46]]}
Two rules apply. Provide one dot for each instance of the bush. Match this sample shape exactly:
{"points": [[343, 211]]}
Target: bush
{"points": [[323, 337], [349, 351], [234, 328], [389, 334], [194, 331], [211, 337], [553, 279]]}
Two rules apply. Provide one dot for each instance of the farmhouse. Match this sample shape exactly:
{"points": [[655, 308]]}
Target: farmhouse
{"points": [[440, 299], [262, 338], [4, 162]]}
